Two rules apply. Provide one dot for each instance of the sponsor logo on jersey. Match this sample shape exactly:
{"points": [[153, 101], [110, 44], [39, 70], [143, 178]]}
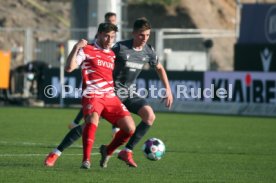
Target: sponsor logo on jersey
{"points": [[105, 64], [134, 65]]}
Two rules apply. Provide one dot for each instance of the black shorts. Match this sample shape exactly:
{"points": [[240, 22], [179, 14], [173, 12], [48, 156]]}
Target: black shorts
{"points": [[135, 103]]}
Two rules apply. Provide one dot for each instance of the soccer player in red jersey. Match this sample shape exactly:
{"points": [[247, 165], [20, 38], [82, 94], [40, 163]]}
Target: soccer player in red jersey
{"points": [[109, 17], [98, 98]]}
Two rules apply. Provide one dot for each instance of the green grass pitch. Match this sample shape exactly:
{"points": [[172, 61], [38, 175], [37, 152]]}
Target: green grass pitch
{"points": [[199, 148]]}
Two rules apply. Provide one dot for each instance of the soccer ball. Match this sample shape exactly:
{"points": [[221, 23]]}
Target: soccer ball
{"points": [[154, 149]]}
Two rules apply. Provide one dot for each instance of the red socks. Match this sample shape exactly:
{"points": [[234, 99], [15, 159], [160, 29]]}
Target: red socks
{"points": [[88, 138], [120, 138]]}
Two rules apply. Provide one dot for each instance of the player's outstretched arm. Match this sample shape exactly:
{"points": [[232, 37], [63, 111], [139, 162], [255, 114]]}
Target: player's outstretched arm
{"points": [[164, 78], [71, 62]]}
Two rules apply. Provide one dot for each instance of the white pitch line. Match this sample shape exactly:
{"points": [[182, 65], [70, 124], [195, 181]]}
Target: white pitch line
{"points": [[30, 155], [40, 144], [25, 155], [36, 144]]}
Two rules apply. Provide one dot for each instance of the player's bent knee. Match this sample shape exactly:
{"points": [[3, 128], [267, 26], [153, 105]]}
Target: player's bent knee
{"points": [[126, 124], [147, 115], [152, 118], [130, 127], [149, 119]]}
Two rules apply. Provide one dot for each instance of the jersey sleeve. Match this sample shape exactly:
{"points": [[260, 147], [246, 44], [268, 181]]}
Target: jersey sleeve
{"points": [[153, 61], [80, 56]]}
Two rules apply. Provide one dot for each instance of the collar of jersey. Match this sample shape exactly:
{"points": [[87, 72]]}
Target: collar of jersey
{"points": [[98, 46], [135, 48]]}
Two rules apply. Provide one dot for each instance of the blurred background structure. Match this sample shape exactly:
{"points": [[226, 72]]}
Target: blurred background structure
{"points": [[189, 37], [35, 26]]}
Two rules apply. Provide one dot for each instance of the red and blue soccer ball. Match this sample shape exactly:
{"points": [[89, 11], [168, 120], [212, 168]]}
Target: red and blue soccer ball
{"points": [[154, 149]]}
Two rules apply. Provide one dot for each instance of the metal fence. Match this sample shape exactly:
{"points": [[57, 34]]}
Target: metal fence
{"points": [[35, 44], [31, 44]]}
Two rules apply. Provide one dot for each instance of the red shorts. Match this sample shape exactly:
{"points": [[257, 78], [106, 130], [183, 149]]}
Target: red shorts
{"points": [[111, 109]]}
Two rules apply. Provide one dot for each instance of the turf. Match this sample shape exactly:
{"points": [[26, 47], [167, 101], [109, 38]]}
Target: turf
{"points": [[199, 148]]}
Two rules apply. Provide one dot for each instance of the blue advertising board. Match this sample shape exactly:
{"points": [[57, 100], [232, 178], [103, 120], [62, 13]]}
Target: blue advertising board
{"points": [[258, 24]]}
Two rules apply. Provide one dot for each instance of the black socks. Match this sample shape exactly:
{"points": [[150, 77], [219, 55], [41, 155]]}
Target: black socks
{"points": [[70, 138], [76, 133], [140, 131], [78, 117]]}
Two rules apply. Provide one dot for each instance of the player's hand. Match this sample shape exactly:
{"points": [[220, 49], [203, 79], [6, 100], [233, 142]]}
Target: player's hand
{"points": [[82, 43], [168, 99]]}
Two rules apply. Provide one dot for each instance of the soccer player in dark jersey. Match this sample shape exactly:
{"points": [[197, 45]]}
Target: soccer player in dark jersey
{"points": [[98, 97], [131, 55]]}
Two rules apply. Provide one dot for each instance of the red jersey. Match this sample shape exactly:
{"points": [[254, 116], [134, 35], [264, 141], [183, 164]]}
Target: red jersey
{"points": [[97, 65]]}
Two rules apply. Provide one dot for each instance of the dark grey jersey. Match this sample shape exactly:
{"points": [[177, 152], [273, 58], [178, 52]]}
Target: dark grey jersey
{"points": [[129, 63]]}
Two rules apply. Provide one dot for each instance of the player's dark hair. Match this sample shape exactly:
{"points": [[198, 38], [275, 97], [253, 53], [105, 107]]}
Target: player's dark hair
{"points": [[108, 15], [107, 27], [141, 24]]}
